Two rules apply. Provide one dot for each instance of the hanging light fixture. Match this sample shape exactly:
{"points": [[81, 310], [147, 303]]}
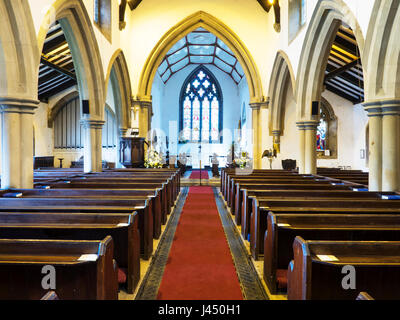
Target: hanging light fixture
{"points": [[266, 5]]}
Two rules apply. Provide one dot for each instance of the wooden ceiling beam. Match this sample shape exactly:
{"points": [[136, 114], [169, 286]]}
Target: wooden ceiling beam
{"points": [[58, 69]]}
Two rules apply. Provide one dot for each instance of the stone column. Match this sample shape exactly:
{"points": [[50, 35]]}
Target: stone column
{"points": [[93, 145], [145, 115], [390, 146], [257, 133], [17, 142], [302, 143], [310, 148], [375, 145], [277, 140]]}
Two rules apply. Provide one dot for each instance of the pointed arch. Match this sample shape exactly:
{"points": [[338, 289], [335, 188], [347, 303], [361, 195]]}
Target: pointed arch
{"points": [[118, 74], [325, 22], [82, 42], [219, 29], [282, 75], [382, 52], [18, 51]]}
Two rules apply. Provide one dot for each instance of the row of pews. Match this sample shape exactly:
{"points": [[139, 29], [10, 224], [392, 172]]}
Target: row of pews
{"points": [[308, 229], [93, 229]]}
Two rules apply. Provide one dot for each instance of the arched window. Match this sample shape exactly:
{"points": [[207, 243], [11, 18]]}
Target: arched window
{"points": [[327, 132], [201, 108]]}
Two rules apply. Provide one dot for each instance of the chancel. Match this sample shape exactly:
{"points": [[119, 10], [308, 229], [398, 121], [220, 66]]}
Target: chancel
{"points": [[200, 150]]}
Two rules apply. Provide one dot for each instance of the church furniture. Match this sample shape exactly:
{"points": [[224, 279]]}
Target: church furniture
{"points": [[364, 296], [250, 193], [315, 273], [115, 194], [43, 162], [131, 152], [289, 164], [262, 206], [61, 161], [123, 228], [82, 205], [85, 270], [283, 228], [51, 295]]}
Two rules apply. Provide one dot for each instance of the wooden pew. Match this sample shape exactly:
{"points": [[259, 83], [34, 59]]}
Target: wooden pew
{"points": [[123, 228], [364, 296], [151, 195], [315, 273], [166, 193], [283, 228], [103, 205], [77, 276], [246, 192], [51, 295], [262, 206]]}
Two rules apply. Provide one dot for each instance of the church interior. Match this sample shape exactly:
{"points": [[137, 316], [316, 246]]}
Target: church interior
{"points": [[200, 150]]}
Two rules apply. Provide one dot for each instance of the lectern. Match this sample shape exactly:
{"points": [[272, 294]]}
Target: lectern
{"points": [[131, 152]]}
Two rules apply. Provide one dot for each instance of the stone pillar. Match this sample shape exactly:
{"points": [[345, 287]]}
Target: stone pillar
{"points": [[310, 148], [257, 132], [93, 145], [375, 145], [302, 143], [145, 115], [17, 142], [277, 140]]}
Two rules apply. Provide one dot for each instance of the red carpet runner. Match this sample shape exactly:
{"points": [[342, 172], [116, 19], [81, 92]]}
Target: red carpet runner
{"points": [[200, 265], [196, 174]]}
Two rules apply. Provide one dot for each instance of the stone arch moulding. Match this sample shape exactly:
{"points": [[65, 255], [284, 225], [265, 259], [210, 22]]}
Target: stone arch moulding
{"points": [[81, 39], [282, 73], [58, 105], [18, 54], [118, 73], [326, 20], [219, 29], [382, 52]]}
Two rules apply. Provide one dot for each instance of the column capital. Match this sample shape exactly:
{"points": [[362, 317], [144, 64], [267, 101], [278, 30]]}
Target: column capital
{"points": [[257, 105], [92, 124], [17, 105], [379, 108], [276, 133], [123, 131], [307, 125], [143, 103]]}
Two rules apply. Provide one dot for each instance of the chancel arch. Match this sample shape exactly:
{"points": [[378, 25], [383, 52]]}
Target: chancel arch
{"points": [[205, 21]]}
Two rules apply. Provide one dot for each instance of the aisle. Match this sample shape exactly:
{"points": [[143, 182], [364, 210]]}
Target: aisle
{"points": [[196, 174], [200, 265]]}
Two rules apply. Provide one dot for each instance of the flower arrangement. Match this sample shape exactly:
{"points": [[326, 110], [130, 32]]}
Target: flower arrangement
{"points": [[153, 159], [243, 161]]}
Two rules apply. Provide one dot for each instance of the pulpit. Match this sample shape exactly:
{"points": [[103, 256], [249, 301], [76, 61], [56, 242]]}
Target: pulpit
{"points": [[131, 152]]}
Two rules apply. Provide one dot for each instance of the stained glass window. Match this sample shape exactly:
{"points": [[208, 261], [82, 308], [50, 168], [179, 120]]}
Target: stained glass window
{"points": [[201, 108], [322, 133]]}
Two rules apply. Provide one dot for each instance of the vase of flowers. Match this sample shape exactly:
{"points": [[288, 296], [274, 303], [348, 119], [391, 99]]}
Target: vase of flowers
{"points": [[243, 161], [153, 159]]}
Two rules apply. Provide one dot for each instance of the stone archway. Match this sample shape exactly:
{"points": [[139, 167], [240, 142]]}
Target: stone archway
{"points": [[224, 33], [18, 92], [282, 75], [79, 33], [118, 74], [325, 22]]}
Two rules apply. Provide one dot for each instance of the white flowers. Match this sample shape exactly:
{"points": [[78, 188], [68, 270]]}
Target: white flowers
{"points": [[243, 161], [153, 159]]}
